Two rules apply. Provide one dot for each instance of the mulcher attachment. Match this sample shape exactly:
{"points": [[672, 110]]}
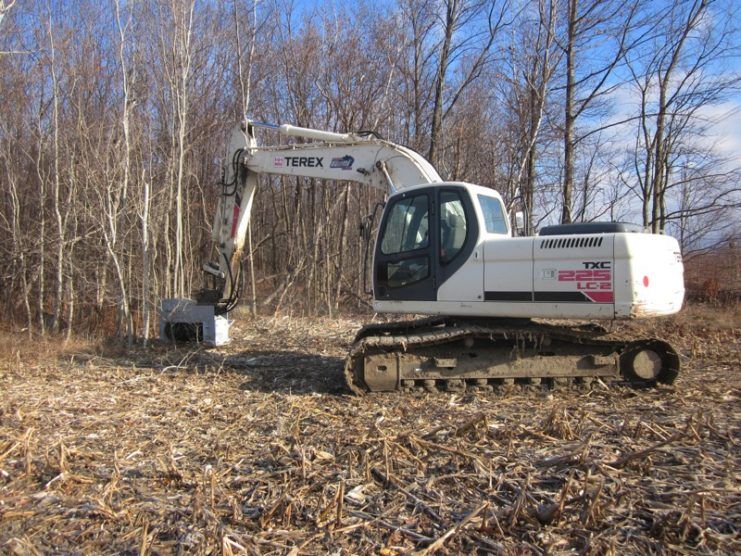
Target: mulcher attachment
{"points": [[456, 355], [184, 320]]}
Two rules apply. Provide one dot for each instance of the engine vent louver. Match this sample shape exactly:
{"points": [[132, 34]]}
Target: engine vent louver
{"points": [[571, 242]]}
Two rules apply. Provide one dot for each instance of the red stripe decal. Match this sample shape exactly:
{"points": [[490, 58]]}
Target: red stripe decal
{"points": [[601, 297]]}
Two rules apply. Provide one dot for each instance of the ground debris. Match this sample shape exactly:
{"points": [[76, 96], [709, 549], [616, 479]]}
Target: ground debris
{"points": [[258, 448]]}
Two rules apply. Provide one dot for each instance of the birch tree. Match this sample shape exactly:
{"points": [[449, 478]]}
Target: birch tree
{"points": [[178, 58]]}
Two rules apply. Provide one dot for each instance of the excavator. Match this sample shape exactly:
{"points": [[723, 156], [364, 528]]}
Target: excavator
{"points": [[490, 303]]}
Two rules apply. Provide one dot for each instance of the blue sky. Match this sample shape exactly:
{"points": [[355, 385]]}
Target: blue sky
{"points": [[725, 134]]}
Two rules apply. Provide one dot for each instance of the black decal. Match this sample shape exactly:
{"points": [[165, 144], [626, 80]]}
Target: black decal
{"points": [[597, 264], [304, 161], [572, 297], [542, 297], [508, 296]]}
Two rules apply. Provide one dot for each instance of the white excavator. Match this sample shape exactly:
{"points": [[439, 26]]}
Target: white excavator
{"points": [[447, 250]]}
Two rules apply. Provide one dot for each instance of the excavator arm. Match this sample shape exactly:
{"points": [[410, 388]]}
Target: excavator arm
{"points": [[360, 158], [363, 158]]}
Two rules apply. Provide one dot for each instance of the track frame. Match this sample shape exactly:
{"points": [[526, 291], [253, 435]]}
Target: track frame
{"points": [[457, 354]]}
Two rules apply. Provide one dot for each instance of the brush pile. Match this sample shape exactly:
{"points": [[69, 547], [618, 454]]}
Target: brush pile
{"points": [[257, 448]]}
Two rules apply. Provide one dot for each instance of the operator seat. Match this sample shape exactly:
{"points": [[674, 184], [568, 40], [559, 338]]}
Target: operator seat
{"points": [[453, 228]]}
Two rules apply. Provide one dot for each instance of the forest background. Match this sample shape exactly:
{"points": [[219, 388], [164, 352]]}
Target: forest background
{"points": [[114, 116]]}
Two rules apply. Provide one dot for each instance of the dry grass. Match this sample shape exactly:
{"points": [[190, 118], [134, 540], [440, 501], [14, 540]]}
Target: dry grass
{"points": [[258, 448], [715, 275]]}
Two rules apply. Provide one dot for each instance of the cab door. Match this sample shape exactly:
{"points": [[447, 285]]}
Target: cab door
{"points": [[427, 236], [404, 262], [460, 274]]}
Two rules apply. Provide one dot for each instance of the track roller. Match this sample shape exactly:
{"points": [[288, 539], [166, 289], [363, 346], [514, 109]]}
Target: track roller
{"points": [[455, 385], [429, 385]]}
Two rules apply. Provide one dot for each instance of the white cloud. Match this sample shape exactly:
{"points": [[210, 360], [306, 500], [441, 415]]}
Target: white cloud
{"points": [[725, 132], [723, 120]]}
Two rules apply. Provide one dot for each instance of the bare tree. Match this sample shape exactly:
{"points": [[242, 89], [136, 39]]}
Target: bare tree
{"points": [[597, 36], [475, 44], [245, 88], [56, 178], [678, 76], [416, 69], [178, 58], [533, 61], [117, 190], [5, 6]]}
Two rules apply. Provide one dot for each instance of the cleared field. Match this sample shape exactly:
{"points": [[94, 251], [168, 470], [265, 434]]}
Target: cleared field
{"points": [[258, 448]]}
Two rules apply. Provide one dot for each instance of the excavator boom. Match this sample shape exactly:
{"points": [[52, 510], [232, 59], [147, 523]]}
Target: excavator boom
{"points": [[363, 158]]}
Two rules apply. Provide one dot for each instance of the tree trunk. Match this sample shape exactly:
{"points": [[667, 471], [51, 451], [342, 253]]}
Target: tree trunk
{"points": [[451, 16], [145, 260], [568, 131]]}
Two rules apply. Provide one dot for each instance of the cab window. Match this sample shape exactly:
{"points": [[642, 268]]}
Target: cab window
{"points": [[493, 215], [452, 225], [407, 271], [407, 226]]}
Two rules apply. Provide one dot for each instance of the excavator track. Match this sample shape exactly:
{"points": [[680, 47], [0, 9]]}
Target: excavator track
{"points": [[456, 354]]}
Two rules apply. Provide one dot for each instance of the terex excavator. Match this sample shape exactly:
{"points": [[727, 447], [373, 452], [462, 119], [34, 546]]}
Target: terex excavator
{"points": [[446, 249]]}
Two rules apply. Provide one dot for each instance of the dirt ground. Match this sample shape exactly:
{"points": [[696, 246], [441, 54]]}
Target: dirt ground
{"points": [[259, 448]]}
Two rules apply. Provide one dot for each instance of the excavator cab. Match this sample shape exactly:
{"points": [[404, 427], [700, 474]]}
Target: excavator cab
{"points": [[426, 234]]}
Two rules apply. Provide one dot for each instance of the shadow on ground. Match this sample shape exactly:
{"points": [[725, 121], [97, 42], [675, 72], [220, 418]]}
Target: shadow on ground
{"points": [[282, 371], [285, 371]]}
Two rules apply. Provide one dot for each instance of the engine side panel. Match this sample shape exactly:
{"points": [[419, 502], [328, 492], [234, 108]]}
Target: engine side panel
{"points": [[508, 270], [554, 277], [575, 270]]}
